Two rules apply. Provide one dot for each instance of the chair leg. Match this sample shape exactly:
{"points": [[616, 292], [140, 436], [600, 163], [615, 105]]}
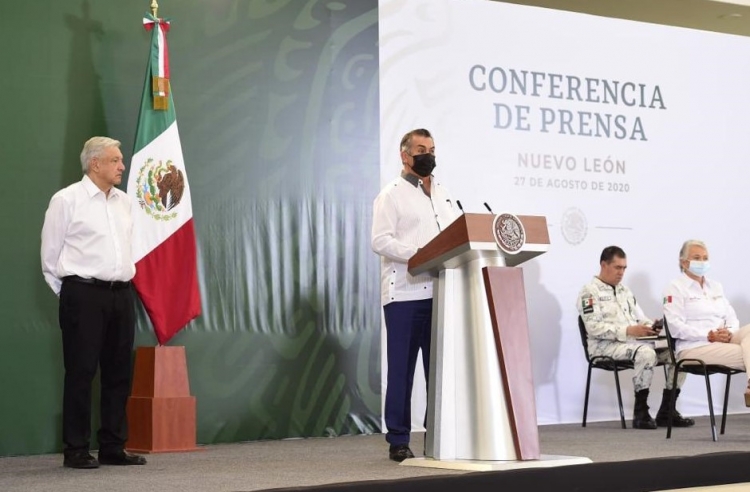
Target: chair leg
{"points": [[726, 402], [619, 398], [672, 403], [586, 399], [714, 436]]}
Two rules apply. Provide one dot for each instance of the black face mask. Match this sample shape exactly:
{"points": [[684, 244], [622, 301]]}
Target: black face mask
{"points": [[423, 164]]}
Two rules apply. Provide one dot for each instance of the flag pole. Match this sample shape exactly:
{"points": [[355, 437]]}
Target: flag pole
{"points": [[161, 413]]}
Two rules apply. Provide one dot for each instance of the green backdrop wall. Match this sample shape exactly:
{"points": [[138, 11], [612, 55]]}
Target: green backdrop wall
{"points": [[277, 104]]}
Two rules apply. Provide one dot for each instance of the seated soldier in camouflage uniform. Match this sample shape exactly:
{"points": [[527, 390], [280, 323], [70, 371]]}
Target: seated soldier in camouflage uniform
{"points": [[613, 320]]}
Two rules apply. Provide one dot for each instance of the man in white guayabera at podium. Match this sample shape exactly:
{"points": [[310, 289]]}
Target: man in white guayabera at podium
{"points": [[409, 212], [613, 323]]}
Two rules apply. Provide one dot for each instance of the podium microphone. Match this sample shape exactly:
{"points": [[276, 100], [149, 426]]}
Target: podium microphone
{"points": [[458, 202], [488, 208]]}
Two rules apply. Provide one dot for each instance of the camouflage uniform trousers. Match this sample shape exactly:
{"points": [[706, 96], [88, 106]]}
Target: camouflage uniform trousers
{"points": [[644, 359]]}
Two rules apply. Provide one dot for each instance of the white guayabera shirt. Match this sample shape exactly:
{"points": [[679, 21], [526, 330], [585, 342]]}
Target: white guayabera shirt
{"points": [[404, 220]]}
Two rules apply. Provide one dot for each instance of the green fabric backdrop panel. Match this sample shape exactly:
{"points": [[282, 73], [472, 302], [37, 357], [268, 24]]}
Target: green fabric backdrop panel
{"points": [[277, 104]]}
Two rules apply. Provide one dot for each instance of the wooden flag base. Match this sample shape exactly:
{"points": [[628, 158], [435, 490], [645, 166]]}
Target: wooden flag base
{"points": [[161, 412]]}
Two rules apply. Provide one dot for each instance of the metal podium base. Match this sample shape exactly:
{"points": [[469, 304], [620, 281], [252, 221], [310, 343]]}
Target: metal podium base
{"points": [[546, 461]]}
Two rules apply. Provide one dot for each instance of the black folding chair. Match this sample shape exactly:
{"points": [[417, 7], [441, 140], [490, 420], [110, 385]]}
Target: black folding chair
{"points": [[699, 368], [605, 363]]}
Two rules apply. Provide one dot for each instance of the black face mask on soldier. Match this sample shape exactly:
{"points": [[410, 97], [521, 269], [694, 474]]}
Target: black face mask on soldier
{"points": [[423, 164]]}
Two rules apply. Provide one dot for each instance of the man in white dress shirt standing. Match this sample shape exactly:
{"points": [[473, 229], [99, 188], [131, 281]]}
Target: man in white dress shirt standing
{"points": [[87, 262], [409, 212], [700, 318]]}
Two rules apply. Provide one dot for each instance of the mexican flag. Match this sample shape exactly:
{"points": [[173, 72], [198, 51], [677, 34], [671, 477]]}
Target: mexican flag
{"points": [[164, 250]]}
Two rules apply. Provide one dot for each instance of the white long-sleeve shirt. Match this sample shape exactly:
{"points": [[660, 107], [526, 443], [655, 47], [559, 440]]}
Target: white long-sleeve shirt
{"points": [[692, 311], [404, 220], [88, 234]]}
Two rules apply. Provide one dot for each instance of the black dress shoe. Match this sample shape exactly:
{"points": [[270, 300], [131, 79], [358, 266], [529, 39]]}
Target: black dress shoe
{"points": [[81, 461], [121, 458], [400, 452]]}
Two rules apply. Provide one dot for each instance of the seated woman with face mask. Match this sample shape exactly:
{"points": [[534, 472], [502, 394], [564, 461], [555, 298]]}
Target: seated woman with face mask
{"points": [[700, 318]]}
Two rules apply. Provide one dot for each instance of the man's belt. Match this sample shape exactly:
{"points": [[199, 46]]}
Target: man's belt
{"points": [[107, 284]]}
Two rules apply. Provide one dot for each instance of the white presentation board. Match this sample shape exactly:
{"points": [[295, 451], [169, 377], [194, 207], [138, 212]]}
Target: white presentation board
{"points": [[618, 132]]}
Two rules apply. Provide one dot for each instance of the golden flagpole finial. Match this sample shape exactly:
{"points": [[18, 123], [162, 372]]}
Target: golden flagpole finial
{"points": [[154, 8]]}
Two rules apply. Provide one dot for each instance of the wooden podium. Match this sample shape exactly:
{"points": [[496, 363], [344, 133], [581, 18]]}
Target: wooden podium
{"points": [[161, 412], [481, 403]]}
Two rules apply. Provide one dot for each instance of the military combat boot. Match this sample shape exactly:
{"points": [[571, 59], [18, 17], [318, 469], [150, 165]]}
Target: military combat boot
{"points": [[662, 416], [641, 417]]}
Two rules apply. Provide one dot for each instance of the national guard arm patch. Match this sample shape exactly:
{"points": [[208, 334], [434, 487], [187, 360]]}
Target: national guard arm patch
{"points": [[587, 303]]}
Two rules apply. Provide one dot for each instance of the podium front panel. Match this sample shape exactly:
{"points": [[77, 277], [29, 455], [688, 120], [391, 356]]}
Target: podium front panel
{"points": [[467, 412]]}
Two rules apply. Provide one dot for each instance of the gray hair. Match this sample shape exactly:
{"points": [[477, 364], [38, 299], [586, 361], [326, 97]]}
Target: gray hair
{"points": [[94, 147], [686, 247], [406, 139]]}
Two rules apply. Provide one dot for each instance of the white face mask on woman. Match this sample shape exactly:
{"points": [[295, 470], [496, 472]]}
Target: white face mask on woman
{"points": [[698, 268]]}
